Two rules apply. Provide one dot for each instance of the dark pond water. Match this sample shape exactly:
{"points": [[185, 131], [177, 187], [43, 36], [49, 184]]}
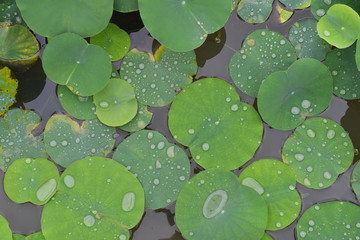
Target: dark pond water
{"points": [[39, 94]]}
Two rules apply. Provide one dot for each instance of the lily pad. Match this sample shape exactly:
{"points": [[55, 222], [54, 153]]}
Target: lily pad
{"points": [[69, 60], [287, 98], [255, 11], [140, 121], [34, 236], [330, 220], [16, 138], [320, 7], [263, 52], [341, 63], [216, 123], [355, 181], [66, 141], [340, 26], [31, 180], [50, 18], [155, 78], [77, 106], [9, 12], [161, 167], [304, 37], [220, 208], [8, 89], [275, 182], [191, 21], [296, 4], [126, 5], [97, 199], [116, 104], [284, 14], [115, 41], [5, 230], [317, 152]]}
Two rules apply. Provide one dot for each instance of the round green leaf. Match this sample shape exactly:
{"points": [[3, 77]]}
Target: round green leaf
{"points": [[126, 5], [77, 106], [115, 41], [341, 63], [116, 104], [8, 89], [69, 60], [213, 205], [34, 236], [9, 12], [66, 141], [216, 123], [263, 52], [340, 26], [156, 77], [97, 199], [16, 138], [161, 167], [304, 37], [330, 220], [31, 180], [51, 17], [317, 152], [140, 121], [296, 4], [355, 181], [191, 21], [275, 182], [320, 7], [255, 11], [5, 231], [287, 98]]}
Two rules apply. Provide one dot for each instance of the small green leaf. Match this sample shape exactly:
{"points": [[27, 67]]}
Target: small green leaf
{"points": [[126, 5], [140, 121], [255, 11], [8, 89], [5, 231]]}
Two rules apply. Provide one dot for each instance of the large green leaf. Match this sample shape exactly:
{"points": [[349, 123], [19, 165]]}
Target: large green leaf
{"points": [[275, 182], [340, 26], [34, 236], [156, 77], [162, 168], [255, 11], [126, 5], [330, 220], [263, 52], [97, 199], [31, 180], [213, 205], [66, 141], [52, 17], [191, 21], [8, 89], [286, 98], [16, 138], [318, 151], [320, 7], [69, 60], [355, 180], [216, 124], [5, 231]]}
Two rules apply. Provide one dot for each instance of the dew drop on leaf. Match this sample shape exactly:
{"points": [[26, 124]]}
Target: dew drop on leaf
{"points": [[89, 221], [215, 203], [46, 190], [128, 201], [69, 181], [252, 183]]}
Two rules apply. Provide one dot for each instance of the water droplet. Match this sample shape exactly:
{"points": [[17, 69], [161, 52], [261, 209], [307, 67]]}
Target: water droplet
{"points": [[122, 237], [234, 107], [291, 187], [205, 146], [46, 190], [171, 152], [141, 66], [299, 156], [53, 143], [104, 104], [278, 224], [328, 2], [330, 134], [161, 145], [320, 12], [327, 175], [128, 201], [28, 160], [215, 203], [326, 33], [191, 131], [310, 133], [305, 104], [183, 2], [252, 183], [282, 42], [69, 181], [307, 182], [89, 221], [156, 181], [150, 135], [334, 73], [228, 99], [302, 234], [157, 164], [64, 143], [295, 110], [311, 223], [309, 169], [182, 178]]}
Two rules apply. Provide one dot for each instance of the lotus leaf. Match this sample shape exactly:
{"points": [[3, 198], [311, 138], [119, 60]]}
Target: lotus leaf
{"points": [[330, 220], [318, 151], [116, 104], [126, 5], [162, 168], [255, 11], [31, 180], [8, 87], [213, 205], [216, 123], [52, 17], [114, 40], [287, 98], [275, 182], [191, 21], [16, 138], [66, 141], [284, 14], [340, 26], [304, 37], [34, 236], [5, 231], [69, 60], [97, 198], [140, 121], [355, 181], [320, 7], [9, 12], [341, 63], [155, 78], [263, 52], [296, 4]]}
